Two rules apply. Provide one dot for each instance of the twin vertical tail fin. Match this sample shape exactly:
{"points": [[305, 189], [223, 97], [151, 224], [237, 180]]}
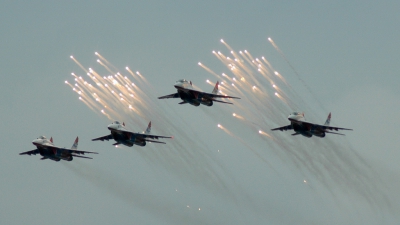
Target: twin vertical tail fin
{"points": [[51, 139], [328, 120], [75, 145], [215, 90], [148, 129]]}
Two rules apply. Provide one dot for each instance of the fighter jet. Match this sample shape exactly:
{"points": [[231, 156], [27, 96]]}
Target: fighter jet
{"points": [[47, 149], [300, 126], [194, 97], [123, 136]]}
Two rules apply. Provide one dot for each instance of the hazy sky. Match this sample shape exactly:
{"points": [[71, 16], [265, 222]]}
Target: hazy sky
{"points": [[339, 57]]}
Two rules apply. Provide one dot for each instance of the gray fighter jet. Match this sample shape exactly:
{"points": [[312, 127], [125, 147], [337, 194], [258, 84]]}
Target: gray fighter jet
{"points": [[47, 149], [300, 126], [123, 136], [186, 92]]}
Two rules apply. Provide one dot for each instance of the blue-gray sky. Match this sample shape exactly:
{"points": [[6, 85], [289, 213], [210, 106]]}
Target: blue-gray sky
{"points": [[345, 53]]}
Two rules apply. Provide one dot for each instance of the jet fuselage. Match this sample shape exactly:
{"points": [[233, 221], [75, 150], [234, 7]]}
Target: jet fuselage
{"points": [[49, 151], [188, 96], [307, 130], [123, 136]]}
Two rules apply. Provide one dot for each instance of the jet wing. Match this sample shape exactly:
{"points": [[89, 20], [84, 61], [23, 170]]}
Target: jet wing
{"points": [[324, 127], [81, 152], [218, 96], [33, 152], [145, 136], [107, 137], [334, 128], [73, 151], [176, 95], [284, 128], [210, 96]]}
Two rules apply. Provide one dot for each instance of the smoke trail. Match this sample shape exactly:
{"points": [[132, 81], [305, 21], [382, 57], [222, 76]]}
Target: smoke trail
{"points": [[331, 161], [118, 97], [328, 161], [297, 74]]}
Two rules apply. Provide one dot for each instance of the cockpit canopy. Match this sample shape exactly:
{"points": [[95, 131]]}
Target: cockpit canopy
{"points": [[297, 113], [42, 137], [116, 122], [182, 81]]}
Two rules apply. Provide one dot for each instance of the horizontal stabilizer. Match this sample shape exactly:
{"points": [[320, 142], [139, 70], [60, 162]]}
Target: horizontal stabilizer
{"points": [[222, 102], [182, 103], [155, 141], [295, 134], [81, 156], [330, 132]]}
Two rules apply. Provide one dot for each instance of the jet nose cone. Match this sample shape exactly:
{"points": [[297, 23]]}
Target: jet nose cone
{"points": [[111, 127], [178, 84]]}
